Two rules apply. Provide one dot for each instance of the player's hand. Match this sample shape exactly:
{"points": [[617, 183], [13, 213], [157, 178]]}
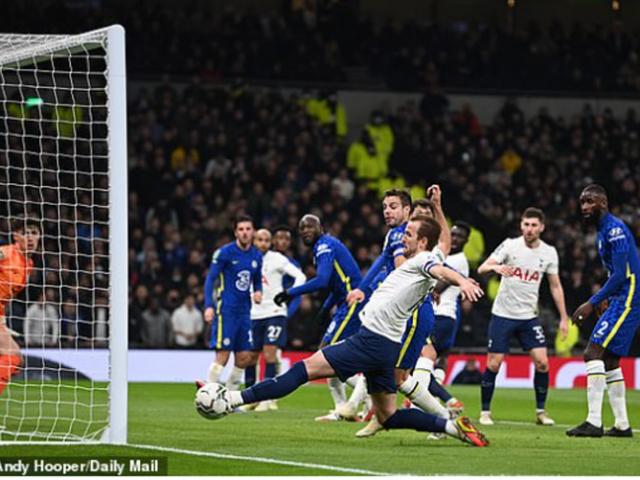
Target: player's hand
{"points": [[564, 327], [470, 290], [281, 298], [354, 296], [435, 195], [582, 313], [208, 315], [504, 270], [257, 297]]}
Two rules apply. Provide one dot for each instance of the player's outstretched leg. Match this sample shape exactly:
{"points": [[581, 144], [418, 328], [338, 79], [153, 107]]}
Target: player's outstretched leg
{"points": [[460, 428], [269, 389]]}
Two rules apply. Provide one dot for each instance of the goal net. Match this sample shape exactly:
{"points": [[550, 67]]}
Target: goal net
{"points": [[63, 165]]}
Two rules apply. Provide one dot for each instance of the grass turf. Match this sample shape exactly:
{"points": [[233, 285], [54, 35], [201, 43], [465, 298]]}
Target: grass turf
{"points": [[163, 415]]}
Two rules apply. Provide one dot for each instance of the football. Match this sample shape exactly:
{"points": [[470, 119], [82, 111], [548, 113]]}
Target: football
{"points": [[211, 401]]}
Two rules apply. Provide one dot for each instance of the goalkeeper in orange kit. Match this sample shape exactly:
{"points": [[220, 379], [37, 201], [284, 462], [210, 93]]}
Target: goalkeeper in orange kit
{"points": [[15, 267]]}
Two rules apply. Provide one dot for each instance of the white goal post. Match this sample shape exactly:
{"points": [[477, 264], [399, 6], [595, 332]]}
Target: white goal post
{"points": [[63, 162]]}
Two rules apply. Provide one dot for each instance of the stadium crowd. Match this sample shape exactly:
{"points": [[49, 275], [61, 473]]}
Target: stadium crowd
{"points": [[326, 41], [228, 150]]}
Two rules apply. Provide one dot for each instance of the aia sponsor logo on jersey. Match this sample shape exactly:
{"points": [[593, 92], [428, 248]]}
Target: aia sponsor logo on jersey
{"points": [[526, 275]]}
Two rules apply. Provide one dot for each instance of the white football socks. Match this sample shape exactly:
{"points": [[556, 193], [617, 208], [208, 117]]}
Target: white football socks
{"points": [[419, 394], [359, 391], [235, 378], [353, 380], [337, 391], [215, 369], [596, 384], [616, 391], [422, 372]]}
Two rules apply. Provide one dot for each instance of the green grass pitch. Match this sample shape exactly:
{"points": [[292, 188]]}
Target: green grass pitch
{"points": [[163, 415]]}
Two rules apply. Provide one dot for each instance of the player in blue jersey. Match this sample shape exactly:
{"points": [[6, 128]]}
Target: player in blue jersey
{"points": [[614, 331], [337, 271], [236, 266]]}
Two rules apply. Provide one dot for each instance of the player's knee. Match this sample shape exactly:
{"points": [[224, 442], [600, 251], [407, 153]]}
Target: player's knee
{"points": [[270, 354], [493, 363], [541, 364], [611, 363], [592, 352]]}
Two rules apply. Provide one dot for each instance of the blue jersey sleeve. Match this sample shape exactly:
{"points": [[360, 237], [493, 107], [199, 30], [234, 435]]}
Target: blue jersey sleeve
{"points": [[329, 302], [619, 245], [324, 267], [217, 264], [257, 275], [372, 273]]}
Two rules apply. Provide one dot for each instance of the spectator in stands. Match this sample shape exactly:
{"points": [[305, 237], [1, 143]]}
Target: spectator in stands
{"points": [[42, 324], [469, 375], [156, 330], [188, 324]]}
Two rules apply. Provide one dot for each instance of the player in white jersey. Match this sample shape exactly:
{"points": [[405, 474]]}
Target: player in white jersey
{"points": [[268, 320], [447, 319], [375, 348], [522, 262]]}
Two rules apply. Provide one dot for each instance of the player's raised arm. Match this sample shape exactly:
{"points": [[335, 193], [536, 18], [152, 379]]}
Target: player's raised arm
{"points": [[444, 241]]}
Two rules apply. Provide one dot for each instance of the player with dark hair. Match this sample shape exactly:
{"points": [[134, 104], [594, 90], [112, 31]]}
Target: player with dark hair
{"points": [[447, 319], [522, 262], [420, 322], [16, 265], [237, 266], [336, 270], [282, 243], [376, 347], [268, 320], [614, 331]]}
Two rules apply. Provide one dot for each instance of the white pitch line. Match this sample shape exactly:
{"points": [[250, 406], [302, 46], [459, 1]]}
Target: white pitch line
{"points": [[275, 461], [561, 425]]}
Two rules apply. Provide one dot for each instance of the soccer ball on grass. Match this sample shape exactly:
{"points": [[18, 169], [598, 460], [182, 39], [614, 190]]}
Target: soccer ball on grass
{"points": [[211, 401]]}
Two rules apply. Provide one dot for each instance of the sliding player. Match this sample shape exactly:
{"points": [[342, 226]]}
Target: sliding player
{"points": [[16, 265], [614, 331], [522, 262], [375, 348]]}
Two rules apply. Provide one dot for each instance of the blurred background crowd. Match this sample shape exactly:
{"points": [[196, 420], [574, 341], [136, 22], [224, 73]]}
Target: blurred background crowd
{"points": [[225, 142]]}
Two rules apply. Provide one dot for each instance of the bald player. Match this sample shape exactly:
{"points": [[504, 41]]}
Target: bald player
{"points": [[268, 320], [15, 267], [337, 271], [614, 331]]}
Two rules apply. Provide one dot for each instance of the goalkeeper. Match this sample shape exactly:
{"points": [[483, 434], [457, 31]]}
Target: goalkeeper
{"points": [[15, 267]]}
